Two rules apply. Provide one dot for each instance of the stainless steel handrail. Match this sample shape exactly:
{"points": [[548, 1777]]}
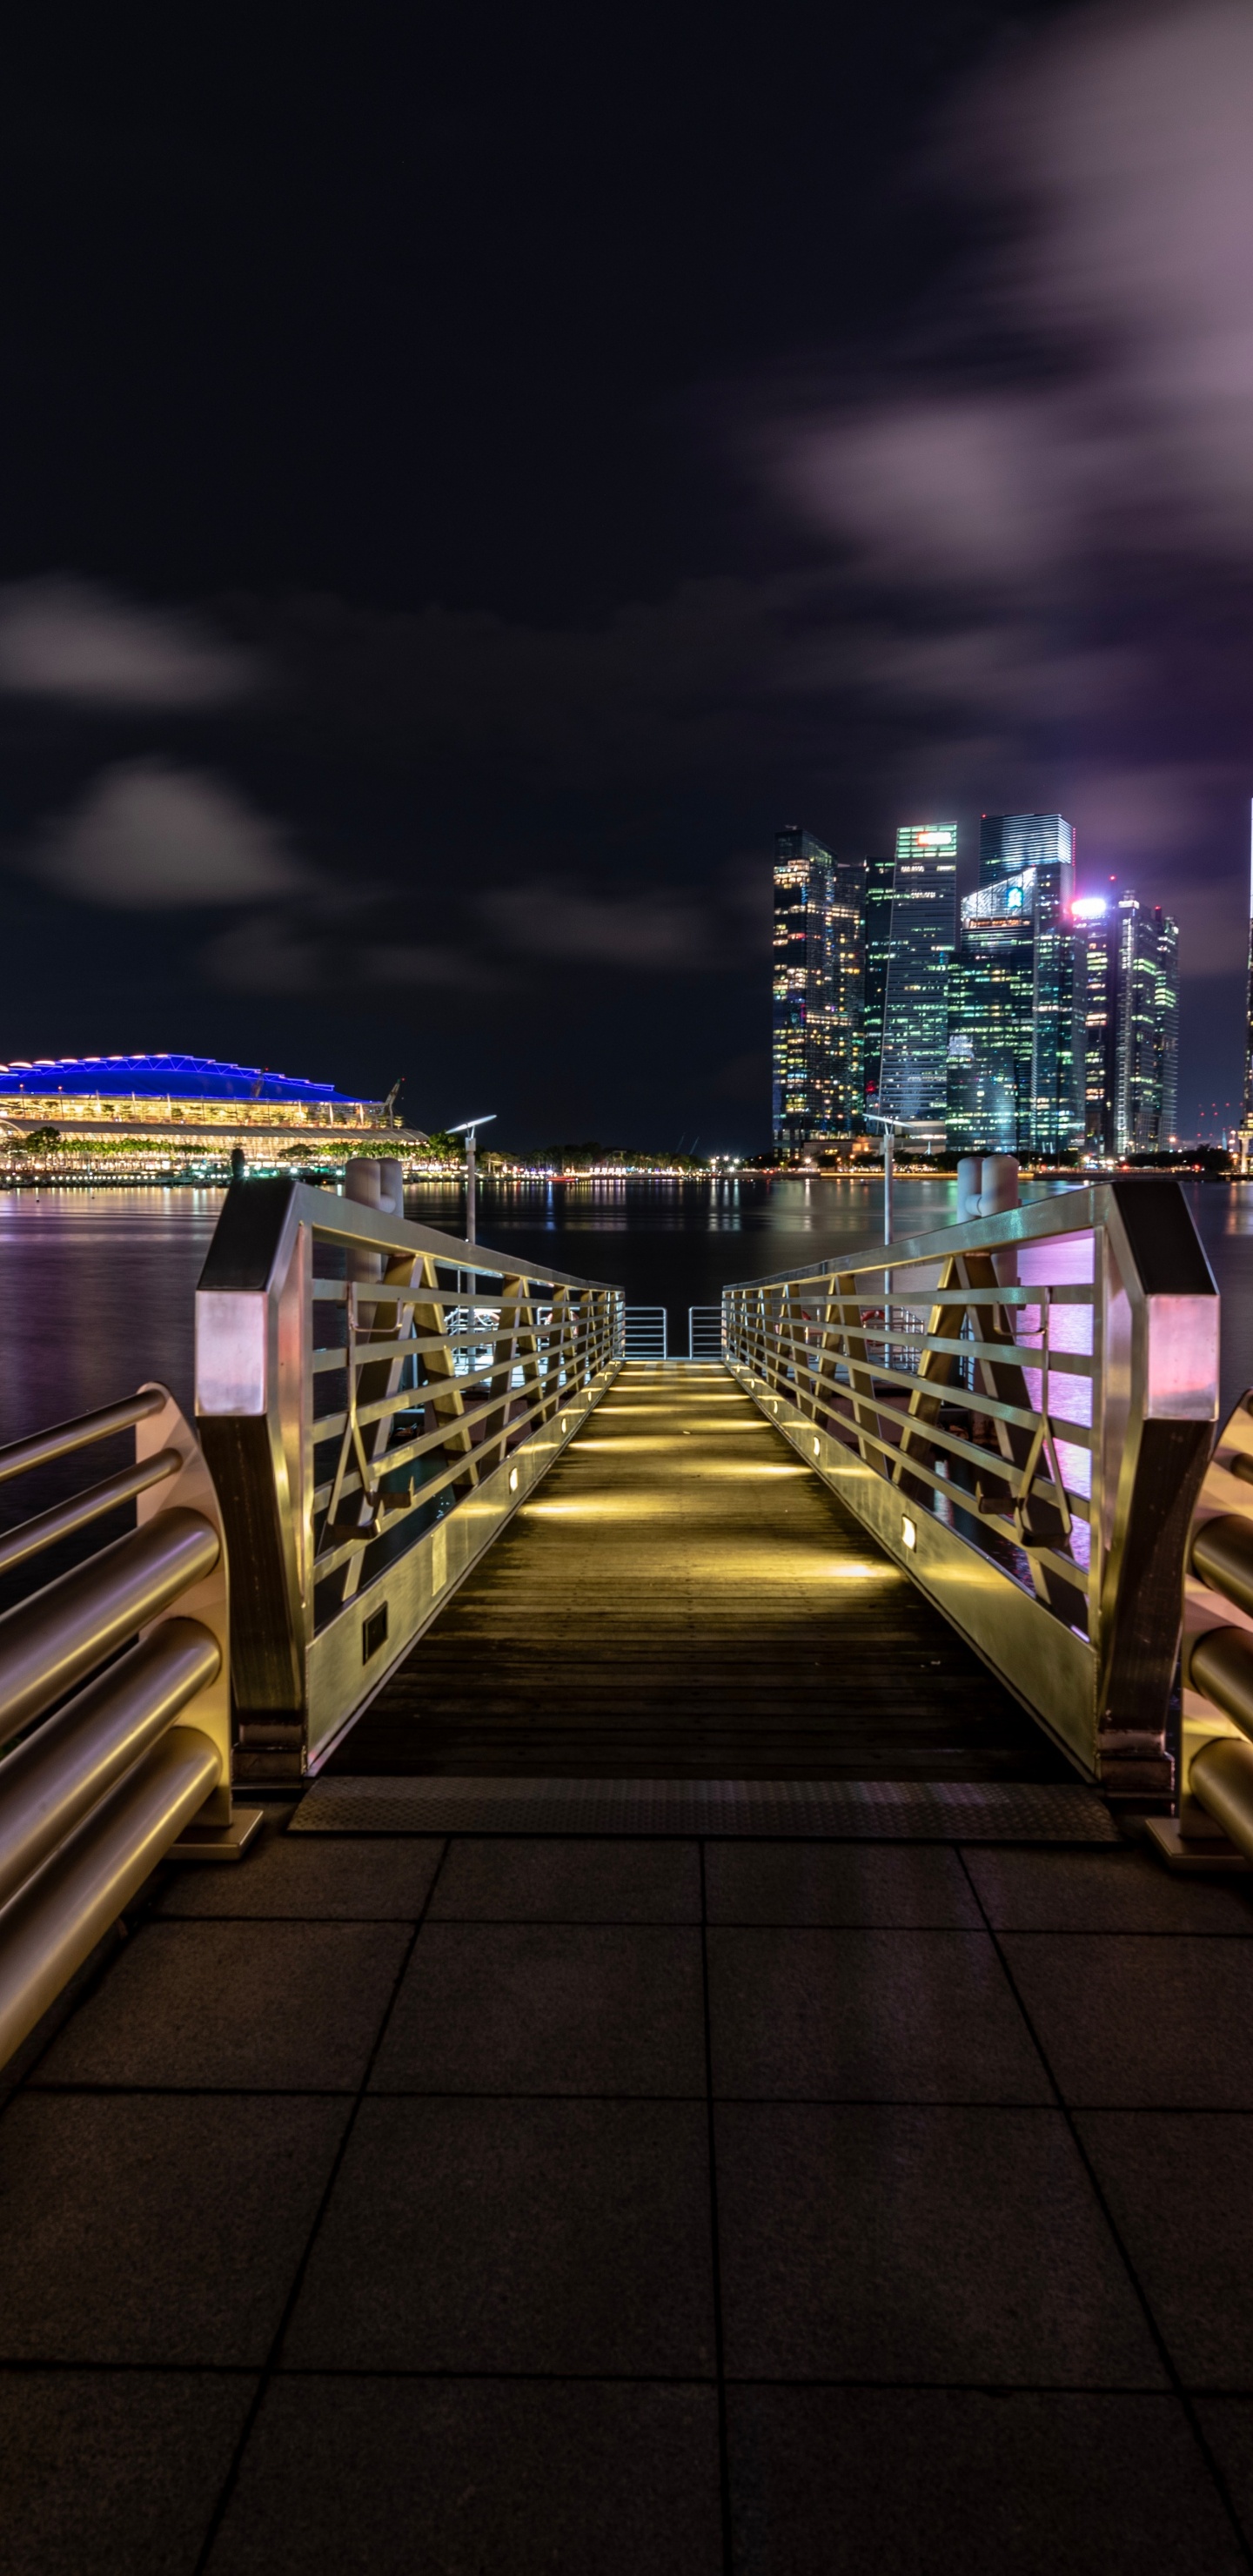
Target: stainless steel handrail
{"points": [[103, 1782], [1020, 1407], [645, 1333], [1216, 1711], [704, 1332], [49, 1642], [54, 1922], [44, 1446], [65, 1767], [30, 1537], [374, 1400]]}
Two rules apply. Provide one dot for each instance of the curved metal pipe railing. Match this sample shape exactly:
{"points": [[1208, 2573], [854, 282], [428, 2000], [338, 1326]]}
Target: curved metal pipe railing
{"points": [[49, 1643], [1217, 1665], [1222, 1557], [1221, 1778], [67, 1765], [105, 1778], [66, 1519], [53, 1924], [44, 1446]]}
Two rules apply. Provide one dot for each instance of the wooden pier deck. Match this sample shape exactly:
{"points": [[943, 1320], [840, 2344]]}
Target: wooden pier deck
{"points": [[684, 1599]]}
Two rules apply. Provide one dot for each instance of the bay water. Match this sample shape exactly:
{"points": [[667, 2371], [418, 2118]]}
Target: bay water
{"points": [[96, 1287]]}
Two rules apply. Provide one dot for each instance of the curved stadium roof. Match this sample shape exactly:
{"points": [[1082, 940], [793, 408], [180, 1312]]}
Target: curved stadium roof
{"points": [[156, 1077]]}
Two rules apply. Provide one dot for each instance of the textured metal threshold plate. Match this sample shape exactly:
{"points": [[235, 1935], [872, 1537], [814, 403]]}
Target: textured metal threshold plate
{"points": [[835, 1810]]}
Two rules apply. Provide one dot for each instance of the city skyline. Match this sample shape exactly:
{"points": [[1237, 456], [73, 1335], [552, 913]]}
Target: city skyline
{"points": [[1041, 1023]]}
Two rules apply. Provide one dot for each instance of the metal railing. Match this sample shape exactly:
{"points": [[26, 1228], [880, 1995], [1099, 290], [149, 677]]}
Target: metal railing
{"points": [[374, 1399], [644, 1333], [1216, 1765], [114, 1680], [704, 1332], [1020, 1408]]}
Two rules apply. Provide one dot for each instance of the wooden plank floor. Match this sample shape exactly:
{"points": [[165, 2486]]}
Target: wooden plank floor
{"points": [[683, 1598]]}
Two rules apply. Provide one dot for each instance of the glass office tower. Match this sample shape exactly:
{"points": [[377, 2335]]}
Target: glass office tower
{"points": [[1146, 1027], [799, 862], [990, 1033], [913, 1072], [1096, 924], [818, 968], [878, 941], [1129, 964], [1010, 847], [845, 1071]]}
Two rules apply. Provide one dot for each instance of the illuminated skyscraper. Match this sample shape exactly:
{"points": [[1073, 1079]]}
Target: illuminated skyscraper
{"points": [[1146, 1027], [818, 965], [990, 1022], [878, 928], [1096, 923], [913, 1075], [1011, 846], [1168, 1027], [845, 1053]]}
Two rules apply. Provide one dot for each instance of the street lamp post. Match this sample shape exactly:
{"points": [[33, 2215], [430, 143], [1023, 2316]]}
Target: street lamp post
{"points": [[889, 1126], [469, 1129]]}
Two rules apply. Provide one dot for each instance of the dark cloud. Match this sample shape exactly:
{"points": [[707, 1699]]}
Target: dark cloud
{"points": [[73, 642], [310, 951], [661, 931], [148, 835], [656, 691]]}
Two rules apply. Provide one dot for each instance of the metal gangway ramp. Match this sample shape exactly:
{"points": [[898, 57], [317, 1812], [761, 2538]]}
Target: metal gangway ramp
{"points": [[683, 1599], [584, 1979]]}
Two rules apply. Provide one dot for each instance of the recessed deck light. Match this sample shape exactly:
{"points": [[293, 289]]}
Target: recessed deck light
{"points": [[909, 1532]]}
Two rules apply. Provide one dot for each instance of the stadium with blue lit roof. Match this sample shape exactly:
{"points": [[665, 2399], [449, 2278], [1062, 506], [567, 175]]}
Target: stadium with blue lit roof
{"points": [[210, 1104]]}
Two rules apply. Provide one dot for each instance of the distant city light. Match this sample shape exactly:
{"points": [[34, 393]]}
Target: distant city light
{"points": [[1089, 907]]}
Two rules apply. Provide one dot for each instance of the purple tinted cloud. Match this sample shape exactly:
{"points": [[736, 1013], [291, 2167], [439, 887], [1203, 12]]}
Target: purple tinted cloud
{"points": [[1040, 513]]}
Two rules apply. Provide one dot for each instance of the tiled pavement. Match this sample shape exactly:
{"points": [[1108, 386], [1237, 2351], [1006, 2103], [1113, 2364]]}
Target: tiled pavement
{"points": [[786, 2208]]}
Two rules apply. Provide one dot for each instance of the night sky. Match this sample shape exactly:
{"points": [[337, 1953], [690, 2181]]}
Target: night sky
{"points": [[469, 476]]}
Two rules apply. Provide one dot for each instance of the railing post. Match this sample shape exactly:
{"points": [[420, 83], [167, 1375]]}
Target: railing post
{"points": [[253, 1407], [1161, 1436]]}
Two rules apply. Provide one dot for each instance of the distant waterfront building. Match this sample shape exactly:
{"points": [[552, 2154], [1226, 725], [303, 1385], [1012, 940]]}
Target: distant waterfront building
{"points": [[913, 1069], [1168, 1026], [1146, 1027], [801, 889], [1129, 955], [990, 1020], [1096, 925], [818, 967], [185, 1100], [878, 941], [1010, 845], [846, 1060]]}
